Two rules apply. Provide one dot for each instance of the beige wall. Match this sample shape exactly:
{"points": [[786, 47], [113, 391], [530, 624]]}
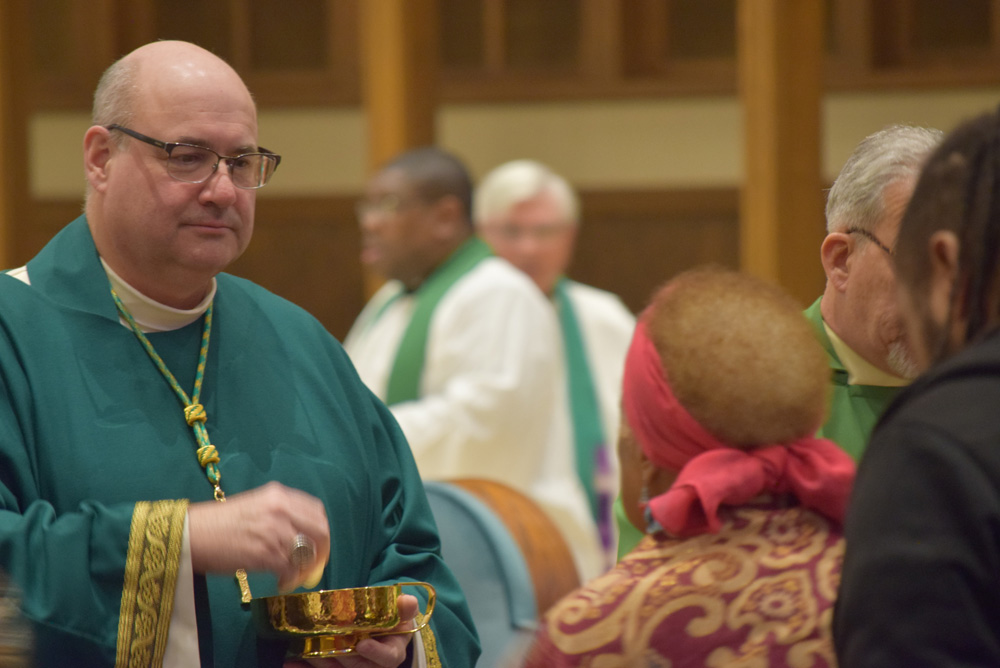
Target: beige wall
{"points": [[673, 143]]}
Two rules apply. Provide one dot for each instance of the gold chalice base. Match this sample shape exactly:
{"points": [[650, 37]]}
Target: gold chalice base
{"points": [[322, 647], [331, 622]]}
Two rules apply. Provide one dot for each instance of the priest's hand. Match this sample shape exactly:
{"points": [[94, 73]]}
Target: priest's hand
{"points": [[383, 652], [255, 530]]}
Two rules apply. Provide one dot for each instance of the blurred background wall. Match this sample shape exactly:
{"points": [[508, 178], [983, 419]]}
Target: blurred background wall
{"points": [[637, 102]]}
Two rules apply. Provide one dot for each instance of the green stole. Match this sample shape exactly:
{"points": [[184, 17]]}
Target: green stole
{"points": [[404, 379], [588, 430]]}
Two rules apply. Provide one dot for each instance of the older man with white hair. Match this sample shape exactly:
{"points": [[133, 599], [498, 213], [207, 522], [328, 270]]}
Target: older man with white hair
{"points": [[530, 216], [857, 318]]}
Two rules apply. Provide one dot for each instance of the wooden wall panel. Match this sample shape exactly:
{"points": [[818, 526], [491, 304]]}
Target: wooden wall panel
{"points": [[41, 222], [307, 249], [631, 242]]}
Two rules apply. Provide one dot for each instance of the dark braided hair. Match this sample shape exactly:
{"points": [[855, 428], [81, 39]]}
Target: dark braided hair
{"points": [[958, 190]]}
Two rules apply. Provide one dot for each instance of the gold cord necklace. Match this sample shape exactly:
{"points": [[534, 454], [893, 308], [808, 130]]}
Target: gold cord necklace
{"points": [[194, 412]]}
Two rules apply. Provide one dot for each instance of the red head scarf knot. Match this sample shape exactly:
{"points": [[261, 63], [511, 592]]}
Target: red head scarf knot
{"points": [[712, 473]]}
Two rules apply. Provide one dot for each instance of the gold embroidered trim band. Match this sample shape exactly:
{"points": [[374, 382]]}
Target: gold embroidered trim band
{"points": [[151, 568], [194, 412], [429, 641]]}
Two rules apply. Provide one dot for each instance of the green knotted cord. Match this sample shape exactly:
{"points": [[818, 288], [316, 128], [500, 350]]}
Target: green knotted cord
{"points": [[194, 412]]}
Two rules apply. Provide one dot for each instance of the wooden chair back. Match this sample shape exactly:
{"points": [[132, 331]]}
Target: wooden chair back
{"points": [[549, 559]]}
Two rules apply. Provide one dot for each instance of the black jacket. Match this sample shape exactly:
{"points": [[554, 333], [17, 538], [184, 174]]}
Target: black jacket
{"points": [[921, 578]]}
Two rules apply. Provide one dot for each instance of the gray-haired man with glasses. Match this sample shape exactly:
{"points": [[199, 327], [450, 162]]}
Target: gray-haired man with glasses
{"points": [[174, 441], [857, 319]]}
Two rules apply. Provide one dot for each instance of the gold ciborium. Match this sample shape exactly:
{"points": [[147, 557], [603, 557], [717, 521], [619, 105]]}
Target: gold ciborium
{"points": [[330, 622]]}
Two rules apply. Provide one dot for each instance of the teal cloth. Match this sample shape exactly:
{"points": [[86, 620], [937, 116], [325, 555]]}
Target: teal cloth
{"points": [[88, 427], [408, 366], [854, 410], [585, 411]]}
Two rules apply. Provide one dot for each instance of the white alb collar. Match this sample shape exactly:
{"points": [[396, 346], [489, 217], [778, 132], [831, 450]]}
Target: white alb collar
{"points": [[150, 315]]}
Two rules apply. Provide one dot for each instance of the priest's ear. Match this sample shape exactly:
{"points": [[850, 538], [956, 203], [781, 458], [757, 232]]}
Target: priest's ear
{"points": [[97, 152], [835, 253]]}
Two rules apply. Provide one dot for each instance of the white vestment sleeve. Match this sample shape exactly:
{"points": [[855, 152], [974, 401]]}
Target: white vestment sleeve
{"points": [[492, 391], [182, 639], [419, 655]]}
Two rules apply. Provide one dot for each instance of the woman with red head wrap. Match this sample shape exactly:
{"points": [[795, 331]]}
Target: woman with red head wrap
{"points": [[724, 386]]}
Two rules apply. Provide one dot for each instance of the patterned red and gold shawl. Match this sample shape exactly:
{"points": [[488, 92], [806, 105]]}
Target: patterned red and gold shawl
{"points": [[759, 593]]}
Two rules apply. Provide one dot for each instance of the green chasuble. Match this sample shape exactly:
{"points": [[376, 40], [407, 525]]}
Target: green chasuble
{"points": [[408, 367], [97, 464], [854, 410]]}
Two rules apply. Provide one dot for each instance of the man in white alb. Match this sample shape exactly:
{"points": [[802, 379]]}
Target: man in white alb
{"points": [[530, 215], [462, 347]]}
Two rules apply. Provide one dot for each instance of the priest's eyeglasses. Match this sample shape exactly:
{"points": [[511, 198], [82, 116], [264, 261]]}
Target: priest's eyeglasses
{"points": [[196, 164], [872, 238]]}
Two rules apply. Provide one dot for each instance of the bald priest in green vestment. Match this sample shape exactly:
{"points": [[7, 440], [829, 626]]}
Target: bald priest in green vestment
{"points": [[175, 440], [857, 320]]}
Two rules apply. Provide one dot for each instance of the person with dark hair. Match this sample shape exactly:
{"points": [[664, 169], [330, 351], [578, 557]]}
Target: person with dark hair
{"points": [[176, 441], [920, 585], [724, 387], [463, 347]]}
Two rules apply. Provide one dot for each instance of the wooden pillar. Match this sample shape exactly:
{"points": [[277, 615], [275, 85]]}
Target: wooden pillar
{"points": [[780, 48], [399, 65], [399, 80], [6, 133]]}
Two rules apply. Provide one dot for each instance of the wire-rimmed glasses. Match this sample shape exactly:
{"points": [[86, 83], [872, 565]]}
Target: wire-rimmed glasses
{"points": [[191, 163], [871, 237]]}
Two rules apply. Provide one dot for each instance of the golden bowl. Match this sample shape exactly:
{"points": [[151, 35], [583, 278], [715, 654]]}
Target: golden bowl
{"points": [[331, 622]]}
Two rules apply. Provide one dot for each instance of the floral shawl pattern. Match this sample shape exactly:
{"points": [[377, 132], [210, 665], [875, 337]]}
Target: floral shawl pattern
{"points": [[759, 593]]}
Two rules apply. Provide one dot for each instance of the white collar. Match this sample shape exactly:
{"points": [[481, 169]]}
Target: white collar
{"points": [[859, 370], [150, 315]]}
